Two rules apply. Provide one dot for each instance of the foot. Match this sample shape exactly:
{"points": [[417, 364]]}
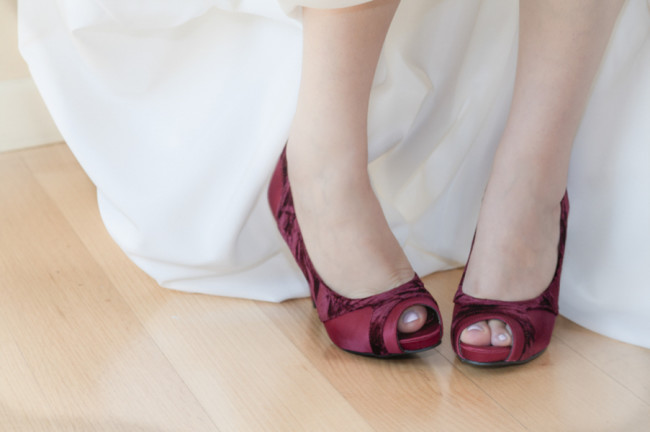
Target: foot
{"points": [[344, 228], [514, 255]]}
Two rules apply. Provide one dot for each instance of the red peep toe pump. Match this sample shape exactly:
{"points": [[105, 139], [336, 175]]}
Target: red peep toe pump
{"points": [[366, 326], [531, 321]]}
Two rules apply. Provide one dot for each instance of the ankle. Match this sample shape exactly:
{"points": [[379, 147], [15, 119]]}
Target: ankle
{"points": [[331, 168], [515, 178], [526, 191], [324, 140]]}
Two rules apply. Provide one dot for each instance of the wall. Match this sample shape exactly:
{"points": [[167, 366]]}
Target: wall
{"points": [[24, 120]]}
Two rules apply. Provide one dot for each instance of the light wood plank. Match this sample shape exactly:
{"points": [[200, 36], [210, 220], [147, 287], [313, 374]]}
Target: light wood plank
{"points": [[561, 390], [18, 388], [91, 357], [627, 364]]}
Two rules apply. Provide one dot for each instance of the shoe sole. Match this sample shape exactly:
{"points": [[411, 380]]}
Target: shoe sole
{"points": [[500, 363], [405, 354]]}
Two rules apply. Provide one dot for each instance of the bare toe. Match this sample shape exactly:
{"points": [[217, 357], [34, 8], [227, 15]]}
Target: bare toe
{"points": [[477, 334], [501, 334], [412, 319]]}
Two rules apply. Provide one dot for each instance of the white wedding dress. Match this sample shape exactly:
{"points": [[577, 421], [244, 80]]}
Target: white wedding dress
{"points": [[178, 111]]}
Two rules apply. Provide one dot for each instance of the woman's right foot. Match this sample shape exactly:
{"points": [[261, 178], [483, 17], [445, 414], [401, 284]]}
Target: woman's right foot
{"points": [[344, 229]]}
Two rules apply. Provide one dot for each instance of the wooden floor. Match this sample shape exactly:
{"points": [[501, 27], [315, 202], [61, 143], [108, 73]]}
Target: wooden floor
{"points": [[88, 342]]}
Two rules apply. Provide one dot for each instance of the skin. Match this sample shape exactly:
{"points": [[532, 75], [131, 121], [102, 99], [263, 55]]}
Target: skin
{"points": [[561, 44], [345, 232]]}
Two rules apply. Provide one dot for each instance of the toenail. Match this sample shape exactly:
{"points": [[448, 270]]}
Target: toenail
{"points": [[501, 337], [475, 327], [410, 317]]}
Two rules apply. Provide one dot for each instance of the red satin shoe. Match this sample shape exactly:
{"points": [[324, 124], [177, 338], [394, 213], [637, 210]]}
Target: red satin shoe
{"points": [[531, 321], [366, 326]]}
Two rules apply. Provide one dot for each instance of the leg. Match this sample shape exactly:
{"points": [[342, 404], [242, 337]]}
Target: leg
{"points": [[561, 44], [328, 156]]}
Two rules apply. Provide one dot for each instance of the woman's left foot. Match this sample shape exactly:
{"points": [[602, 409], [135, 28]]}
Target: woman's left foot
{"points": [[514, 256]]}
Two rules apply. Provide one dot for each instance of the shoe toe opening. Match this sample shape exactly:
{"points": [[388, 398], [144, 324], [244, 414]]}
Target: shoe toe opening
{"points": [[428, 336]]}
